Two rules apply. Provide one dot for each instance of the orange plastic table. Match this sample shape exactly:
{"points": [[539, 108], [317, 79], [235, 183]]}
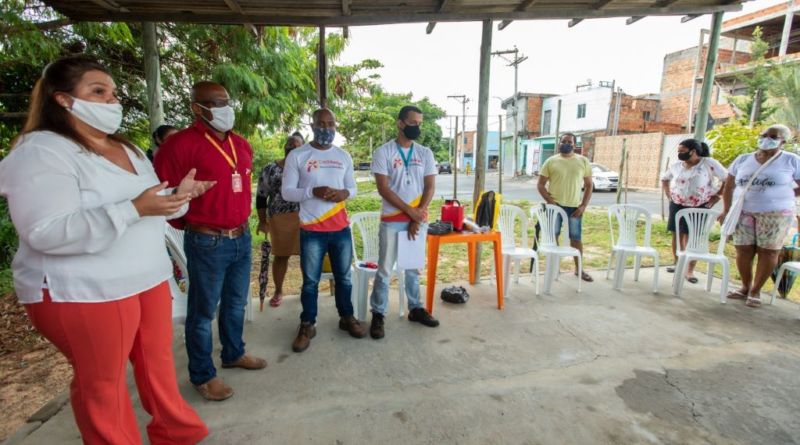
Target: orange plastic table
{"points": [[471, 239]]}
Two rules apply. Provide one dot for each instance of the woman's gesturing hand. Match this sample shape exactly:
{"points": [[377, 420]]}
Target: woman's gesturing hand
{"points": [[193, 187], [151, 203]]}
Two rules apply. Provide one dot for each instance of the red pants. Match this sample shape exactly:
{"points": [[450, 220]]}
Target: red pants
{"points": [[98, 339]]}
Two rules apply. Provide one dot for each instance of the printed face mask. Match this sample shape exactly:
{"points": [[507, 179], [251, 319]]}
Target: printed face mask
{"points": [[565, 148], [223, 118], [765, 143], [104, 117], [324, 136]]}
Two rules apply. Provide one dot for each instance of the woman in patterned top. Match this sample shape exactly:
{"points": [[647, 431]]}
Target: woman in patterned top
{"points": [[690, 183], [279, 218]]}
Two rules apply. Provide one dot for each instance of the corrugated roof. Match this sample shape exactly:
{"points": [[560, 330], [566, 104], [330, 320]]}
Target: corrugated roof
{"points": [[374, 12]]}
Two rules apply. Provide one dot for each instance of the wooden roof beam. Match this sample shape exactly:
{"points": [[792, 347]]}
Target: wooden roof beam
{"points": [[634, 19], [600, 4], [663, 3], [521, 7], [689, 17], [574, 22], [111, 5], [234, 6], [439, 10]]}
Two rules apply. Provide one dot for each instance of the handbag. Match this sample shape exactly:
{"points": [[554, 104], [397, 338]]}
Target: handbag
{"points": [[735, 212]]}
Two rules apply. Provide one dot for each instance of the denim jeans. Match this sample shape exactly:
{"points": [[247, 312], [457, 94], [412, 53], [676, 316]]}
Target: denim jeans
{"points": [[387, 257], [574, 224], [313, 247], [219, 275]]}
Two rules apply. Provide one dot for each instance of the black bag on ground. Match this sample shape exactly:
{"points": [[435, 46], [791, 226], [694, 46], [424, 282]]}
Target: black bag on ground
{"points": [[455, 294]]}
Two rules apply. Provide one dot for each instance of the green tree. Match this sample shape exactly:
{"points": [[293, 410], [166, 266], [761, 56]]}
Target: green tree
{"points": [[785, 95], [373, 120], [757, 80], [732, 139]]}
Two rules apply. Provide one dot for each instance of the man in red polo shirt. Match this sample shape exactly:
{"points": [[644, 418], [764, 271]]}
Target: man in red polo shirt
{"points": [[217, 236]]}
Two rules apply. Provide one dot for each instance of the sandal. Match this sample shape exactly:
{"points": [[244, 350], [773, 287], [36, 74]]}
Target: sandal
{"points": [[276, 300], [737, 295], [753, 302], [586, 277], [670, 269], [692, 279]]}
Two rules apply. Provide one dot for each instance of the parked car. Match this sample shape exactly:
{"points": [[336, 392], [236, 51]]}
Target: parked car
{"points": [[364, 166], [603, 178], [445, 167]]}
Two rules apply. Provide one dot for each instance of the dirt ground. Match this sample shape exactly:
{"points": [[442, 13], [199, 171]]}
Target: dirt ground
{"points": [[32, 371]]}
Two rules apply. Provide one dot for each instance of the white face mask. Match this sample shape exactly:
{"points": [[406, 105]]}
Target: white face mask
{"points": [[768, 143], [104, 117], [223, 117]]}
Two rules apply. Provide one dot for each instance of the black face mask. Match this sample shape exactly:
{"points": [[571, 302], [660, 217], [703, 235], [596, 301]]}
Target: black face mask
{"points": [[565, 148], [411, 131], [685, 156]]}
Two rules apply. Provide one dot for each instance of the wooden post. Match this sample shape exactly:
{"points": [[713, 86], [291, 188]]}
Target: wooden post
{"points": [[322, 70], [152, 74], [701, 120], [454, 164], [500, 154], [622, 166], [483, 125]]}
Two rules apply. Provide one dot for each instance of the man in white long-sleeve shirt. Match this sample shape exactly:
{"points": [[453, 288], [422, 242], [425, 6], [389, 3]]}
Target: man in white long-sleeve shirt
{"points": [[319, 175]]}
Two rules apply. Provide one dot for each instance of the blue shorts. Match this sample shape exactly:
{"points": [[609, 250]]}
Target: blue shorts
{"points": [[573, 223]]}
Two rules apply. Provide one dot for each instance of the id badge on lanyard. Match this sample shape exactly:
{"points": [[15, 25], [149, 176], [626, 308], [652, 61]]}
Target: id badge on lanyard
{"points": [[236, 178], [236, 181]]}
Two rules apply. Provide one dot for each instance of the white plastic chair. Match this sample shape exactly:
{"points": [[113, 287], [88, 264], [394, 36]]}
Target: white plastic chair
{"points": [[367, 226], [174, 240], [628, 217], [791, 266], [513, 252], [700, 223], [547, 215]]}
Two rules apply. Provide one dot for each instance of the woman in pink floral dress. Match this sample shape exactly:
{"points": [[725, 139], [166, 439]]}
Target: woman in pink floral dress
{"points": [[695, 180]]}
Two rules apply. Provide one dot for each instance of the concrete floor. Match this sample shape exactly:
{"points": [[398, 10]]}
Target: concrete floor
{"points": [[601, 367]]}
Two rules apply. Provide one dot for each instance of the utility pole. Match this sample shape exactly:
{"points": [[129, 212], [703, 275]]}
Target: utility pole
{"points": [[463, 99], [515, 63], [454, 165], [701, 119]]}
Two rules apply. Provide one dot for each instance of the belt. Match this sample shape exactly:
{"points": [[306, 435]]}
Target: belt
{"points": [[227, 233]]}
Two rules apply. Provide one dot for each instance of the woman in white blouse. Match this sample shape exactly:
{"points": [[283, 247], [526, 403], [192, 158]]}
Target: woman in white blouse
{"points": [[91, 268], [695, 181], [767, 211]]}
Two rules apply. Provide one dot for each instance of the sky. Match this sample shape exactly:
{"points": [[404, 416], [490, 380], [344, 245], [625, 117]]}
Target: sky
{"points": [[446, 62]]}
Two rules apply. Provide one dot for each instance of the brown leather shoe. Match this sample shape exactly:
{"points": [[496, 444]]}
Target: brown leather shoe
{"points": [[306, 332], [215, 390], [247, 362], [354, 327]]}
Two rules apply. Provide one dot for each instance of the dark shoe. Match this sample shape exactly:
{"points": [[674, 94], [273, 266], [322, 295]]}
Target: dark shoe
{"points": [[420, 315], [215, 390], [376, 327], [354, 327], [670, 269], [247, 362], [306, 332]]}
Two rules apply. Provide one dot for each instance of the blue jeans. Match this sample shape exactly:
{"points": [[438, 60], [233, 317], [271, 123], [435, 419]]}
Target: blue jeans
{"points": [[387, 257], [574, 224], [219, 275], [313, 247]]}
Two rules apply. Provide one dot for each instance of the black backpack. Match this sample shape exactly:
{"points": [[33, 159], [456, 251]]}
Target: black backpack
{"points": [[484, 216]]}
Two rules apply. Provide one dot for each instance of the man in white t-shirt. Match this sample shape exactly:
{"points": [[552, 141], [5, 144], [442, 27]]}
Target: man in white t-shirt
{"points": [[405, 173]]}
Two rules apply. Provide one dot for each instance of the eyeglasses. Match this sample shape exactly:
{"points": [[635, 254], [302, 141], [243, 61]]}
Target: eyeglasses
{"points": [[218, 103]]}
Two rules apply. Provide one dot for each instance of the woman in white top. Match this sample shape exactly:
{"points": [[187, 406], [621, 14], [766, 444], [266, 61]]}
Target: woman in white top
{"points": [[694, 181], [91, 268], [768, 209]]}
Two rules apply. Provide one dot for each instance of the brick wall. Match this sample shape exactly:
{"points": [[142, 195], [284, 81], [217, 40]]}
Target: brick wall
{"points": [[676, 81], [469, 147], [533, 125]]}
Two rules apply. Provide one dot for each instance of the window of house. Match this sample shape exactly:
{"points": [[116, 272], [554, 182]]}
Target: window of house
{"points": [[581, 111], [646, 116], [546, 122]]}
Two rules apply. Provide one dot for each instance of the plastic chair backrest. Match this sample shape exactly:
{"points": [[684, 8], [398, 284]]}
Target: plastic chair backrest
{"points": [[548, 216], [506, 223], [175, 236], [366, 225], [628, 217], [700, 223]]}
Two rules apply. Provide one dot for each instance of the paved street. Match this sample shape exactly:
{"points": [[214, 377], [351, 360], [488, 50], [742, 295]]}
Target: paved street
{"points": [[526, 189]]}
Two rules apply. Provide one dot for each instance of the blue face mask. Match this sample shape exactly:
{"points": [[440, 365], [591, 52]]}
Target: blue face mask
{"points": [[324, 136], [565, 148]]}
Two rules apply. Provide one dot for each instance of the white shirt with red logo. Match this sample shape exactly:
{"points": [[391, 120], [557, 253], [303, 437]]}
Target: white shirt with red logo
{"points": [[407, 182], [308, 167]]}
